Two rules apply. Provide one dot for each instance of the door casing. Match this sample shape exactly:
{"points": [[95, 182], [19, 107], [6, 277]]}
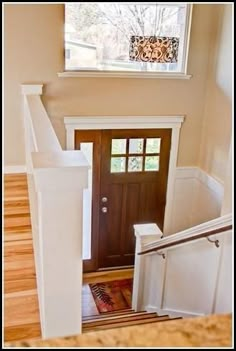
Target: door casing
{"points": [[73, 124]]}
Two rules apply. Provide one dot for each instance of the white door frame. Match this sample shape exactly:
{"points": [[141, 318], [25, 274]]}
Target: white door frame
{"points": [[134, 122]]}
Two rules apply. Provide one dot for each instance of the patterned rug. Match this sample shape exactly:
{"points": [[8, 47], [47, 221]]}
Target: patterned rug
{"points": [[112, 296]]}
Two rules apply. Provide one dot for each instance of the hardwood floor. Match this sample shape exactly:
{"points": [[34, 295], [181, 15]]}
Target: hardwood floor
{"points": [[21, 310]]}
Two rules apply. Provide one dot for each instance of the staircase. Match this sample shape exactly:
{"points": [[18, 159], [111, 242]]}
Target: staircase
{"points": [[125, 318]]}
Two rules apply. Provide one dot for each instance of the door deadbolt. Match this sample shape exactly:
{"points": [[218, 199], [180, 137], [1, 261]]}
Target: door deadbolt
{"points": [[104, 199]]}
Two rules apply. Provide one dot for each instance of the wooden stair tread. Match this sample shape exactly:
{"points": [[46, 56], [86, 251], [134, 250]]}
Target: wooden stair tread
{"points": [[107, 320], [107, 314], [18, 229], [126, 323], [123, 310], [16, 207]]}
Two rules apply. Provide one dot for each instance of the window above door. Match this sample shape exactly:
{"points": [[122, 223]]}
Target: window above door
{"points": [[136, 38]]}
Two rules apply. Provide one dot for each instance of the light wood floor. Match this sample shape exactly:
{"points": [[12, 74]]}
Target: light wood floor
{"points": [[21, 311]]}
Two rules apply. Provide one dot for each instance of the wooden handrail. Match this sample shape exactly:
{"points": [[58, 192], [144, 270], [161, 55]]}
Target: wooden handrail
{"points": [[191, 238]]}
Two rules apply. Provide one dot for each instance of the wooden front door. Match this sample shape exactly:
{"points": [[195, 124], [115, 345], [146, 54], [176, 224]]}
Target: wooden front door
{"points": [[130, 172]]}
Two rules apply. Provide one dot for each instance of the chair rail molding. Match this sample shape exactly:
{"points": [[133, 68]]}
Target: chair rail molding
{"points": [[134, 122]]}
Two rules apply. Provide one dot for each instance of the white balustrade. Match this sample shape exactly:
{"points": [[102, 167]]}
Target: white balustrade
{"points": [[189, 279], [56, 181]]}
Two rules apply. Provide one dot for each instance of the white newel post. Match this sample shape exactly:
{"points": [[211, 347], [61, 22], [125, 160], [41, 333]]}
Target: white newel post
{"points": [[144, 233], [60, 178]]}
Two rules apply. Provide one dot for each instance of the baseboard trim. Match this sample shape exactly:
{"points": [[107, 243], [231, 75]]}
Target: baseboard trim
{"points": [[172, 313], [14, 169]]}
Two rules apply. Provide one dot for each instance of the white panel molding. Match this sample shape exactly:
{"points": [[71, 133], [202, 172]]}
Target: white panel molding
{"points": [[186, 172], [14, 169], [183, 288], [197, 198], [213, 184], [172, 313]]}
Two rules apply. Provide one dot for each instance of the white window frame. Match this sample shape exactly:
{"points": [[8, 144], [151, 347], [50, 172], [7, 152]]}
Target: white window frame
{"points": [[142, 74]]}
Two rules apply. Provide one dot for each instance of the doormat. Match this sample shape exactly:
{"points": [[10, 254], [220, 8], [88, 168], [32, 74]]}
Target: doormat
{"points": [[112, 296]]}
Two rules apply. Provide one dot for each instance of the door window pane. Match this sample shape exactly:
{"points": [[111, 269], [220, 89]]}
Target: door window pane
{"points": [[136, 146], [153, 145], [118, 146], [152, 163], [135, 164], [118, 164]]}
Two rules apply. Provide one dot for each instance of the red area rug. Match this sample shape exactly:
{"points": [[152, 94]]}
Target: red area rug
{"points": [[112, 296]]}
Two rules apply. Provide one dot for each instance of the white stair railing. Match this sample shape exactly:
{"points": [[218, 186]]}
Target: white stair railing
{"points": [[185, 274], [56, 180]]}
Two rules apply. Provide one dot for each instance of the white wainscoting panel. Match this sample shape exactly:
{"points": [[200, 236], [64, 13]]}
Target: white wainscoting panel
{"points": [[191, 276], [197, 198], [208, 198], [153, 288], [224, 296]]}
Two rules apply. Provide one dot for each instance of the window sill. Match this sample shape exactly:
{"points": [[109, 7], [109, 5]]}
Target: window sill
{"points": [[122, 74]]}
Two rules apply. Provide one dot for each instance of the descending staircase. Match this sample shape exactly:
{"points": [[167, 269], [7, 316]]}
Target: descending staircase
{"points": [[124, 318]]}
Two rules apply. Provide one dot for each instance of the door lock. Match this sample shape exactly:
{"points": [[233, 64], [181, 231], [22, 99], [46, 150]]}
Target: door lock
{"points": [[104, 199], [104, 209]]}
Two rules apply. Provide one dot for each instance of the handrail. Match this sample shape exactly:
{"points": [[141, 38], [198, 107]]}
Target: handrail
{"points": [[191, 238]]}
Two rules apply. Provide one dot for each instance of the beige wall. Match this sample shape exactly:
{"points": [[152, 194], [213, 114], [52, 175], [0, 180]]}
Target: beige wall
{"points": [[217, 119], [33, 53]]}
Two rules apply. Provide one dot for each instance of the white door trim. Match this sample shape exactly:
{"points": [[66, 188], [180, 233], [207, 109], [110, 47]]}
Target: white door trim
{"points": [[134, 122]]}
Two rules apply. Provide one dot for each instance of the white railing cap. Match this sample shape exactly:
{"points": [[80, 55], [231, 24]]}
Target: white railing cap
{"points": [[147, 229], [60, 159], [32, 89]]}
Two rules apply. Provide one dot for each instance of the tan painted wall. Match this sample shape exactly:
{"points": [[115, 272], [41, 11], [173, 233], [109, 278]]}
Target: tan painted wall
{"points": [[217, 120], [33, 53]]}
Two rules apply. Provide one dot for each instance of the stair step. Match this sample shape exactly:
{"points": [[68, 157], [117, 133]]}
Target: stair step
{"points": [[126, 323], [124, 310], [16, 220], [15, 177], [18, 229], [108, 314], [119, 318], [15, 198]]}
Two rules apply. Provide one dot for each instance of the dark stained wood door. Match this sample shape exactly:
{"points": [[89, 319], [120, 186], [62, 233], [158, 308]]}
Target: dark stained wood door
{"points": [[133, 182]]}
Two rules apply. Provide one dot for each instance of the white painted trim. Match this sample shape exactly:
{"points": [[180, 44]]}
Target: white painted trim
{"points": [[14, 169], [197, 173], [213, 184], [32, 89], [187, 37], [122, 74], [172, 313], [134, 122], [186, 172], [120, 122], [193, 231]]}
